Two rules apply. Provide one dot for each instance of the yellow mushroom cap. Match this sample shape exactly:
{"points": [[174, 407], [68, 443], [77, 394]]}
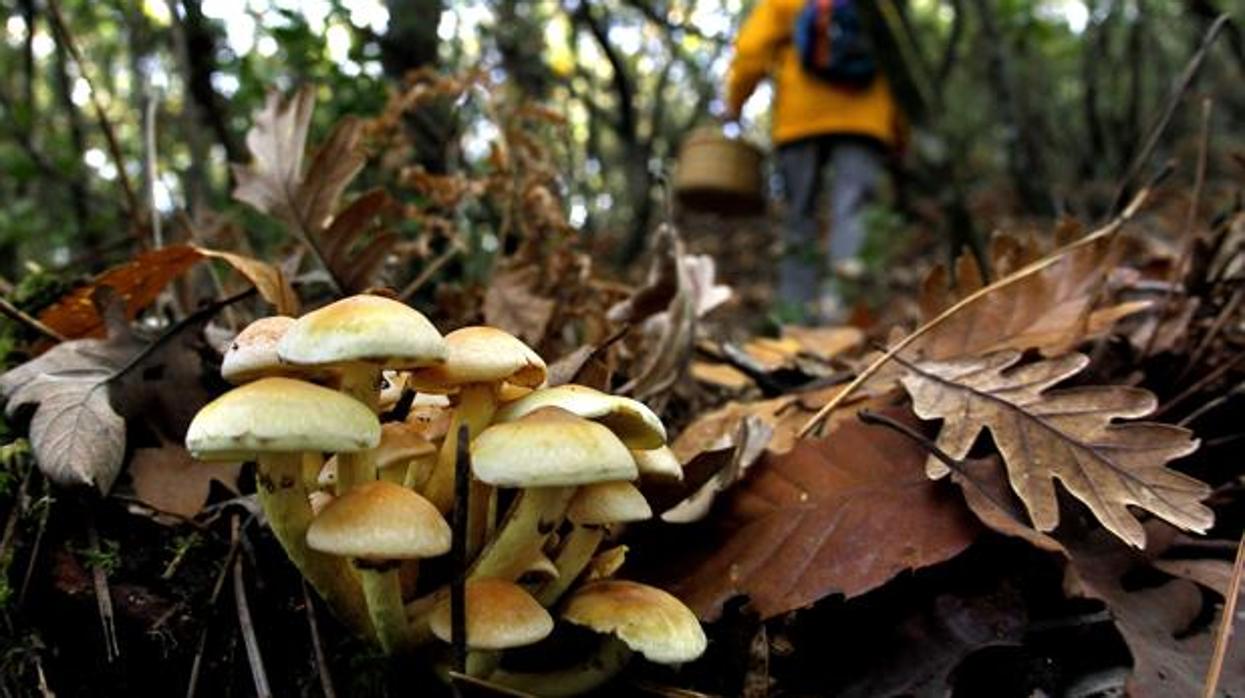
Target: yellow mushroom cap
{"points": [[604, 503], [649, 620], [394, 382], [631, 420], [370, 329], [380, 521], [280, 415], [660, 463], [547, 448], [482, 354], [500, 615], [253, 353]]}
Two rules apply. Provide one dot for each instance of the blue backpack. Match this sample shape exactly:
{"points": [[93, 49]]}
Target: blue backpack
{"points": [[833, 43]]}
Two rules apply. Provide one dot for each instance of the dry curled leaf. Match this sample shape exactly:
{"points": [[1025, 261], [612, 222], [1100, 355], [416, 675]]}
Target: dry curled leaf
{"points": [[510, 304], [308, 200], [1067, 435], [669, 334], [139, 281], [842, 514], [1051, 310]]}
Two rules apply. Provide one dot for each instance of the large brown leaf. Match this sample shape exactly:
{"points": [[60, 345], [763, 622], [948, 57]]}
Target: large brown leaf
{"points": [[511, 304], [308, 200], [842, 514], [1052, 310], [170, 480], [1067, 435]]}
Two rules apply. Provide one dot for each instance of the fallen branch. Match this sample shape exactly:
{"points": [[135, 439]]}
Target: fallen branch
{"points": [[1225, 624]]}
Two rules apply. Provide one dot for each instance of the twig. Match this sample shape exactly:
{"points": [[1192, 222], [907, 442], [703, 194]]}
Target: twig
{"points": [[1021, 274], [317, 647], [458, 552], [103, 595], [44, 514], [1224, 315], [18, 315], [253, 656], [1173, 101], [1212, 404], [110, 136], [149, 166], [1187, 235], [1225, 624], [432, 268], [197, 664], [1197, 386]]}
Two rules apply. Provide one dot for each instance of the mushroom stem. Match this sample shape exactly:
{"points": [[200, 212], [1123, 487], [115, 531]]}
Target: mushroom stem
{"points": [[577, 551], [475, 409], [382, 588], [360, 381], [283, 497], [313, 463], [481, 663], [536, 513], [594, 671]]}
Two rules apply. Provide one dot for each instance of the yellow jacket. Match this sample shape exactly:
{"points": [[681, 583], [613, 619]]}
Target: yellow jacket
{"points": [[804, 105]]}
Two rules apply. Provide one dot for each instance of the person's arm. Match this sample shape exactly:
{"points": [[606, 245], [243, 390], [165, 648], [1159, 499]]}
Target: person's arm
{"points": [[759, 38]]}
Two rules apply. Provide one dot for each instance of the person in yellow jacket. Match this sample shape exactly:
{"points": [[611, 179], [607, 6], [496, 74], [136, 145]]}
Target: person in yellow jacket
{"points": [[815, 124]]}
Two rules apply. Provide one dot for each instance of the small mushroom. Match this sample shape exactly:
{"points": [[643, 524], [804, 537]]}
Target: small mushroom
{"points": [[633, 422], [500, 615], [378, 525]]}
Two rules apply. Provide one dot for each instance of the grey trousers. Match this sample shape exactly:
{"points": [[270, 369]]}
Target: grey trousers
{"points": [[856, 166]]}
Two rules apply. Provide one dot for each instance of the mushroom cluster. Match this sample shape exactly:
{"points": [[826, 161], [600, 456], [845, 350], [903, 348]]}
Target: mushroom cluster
{"points": [[357, 504]]}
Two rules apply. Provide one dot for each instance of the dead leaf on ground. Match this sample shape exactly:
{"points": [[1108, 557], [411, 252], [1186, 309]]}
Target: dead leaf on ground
{"points": [[1169, 661], [347, 239], [169, 480], [510, 304], [1052, 310], [986, 492], [669, 335], [77, 436], [842, 514], [746, 446], [139, 281], [1067, 435]]}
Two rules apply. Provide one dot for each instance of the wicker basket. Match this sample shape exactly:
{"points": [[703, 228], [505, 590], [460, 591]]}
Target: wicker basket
{"points": [[717, 174]]}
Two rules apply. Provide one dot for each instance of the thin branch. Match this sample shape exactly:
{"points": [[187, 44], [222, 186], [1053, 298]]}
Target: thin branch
{"points": [[458, 552], [1187, 234], [1017, 276], [19, 316], [1202, 382], [317, 646], [253, 656], [196, 665], [1173, 101], [114, 147], [103, 594], [429, 271], [1225, 623]]}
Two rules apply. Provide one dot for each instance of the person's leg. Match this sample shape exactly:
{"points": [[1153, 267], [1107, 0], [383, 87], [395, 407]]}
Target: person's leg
{"points": [[802, 263], [858, 167]]}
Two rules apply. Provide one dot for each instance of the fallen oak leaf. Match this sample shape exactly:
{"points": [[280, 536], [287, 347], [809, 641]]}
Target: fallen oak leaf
{"points": [[1067, 435], [843, 514], [510, 304]]}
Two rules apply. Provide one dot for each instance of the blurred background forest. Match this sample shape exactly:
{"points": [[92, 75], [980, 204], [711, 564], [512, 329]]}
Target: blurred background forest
{"points": [[110, 106]]}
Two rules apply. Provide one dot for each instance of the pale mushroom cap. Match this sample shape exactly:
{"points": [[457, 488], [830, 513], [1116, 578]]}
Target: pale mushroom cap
{"points": [[482, 354], [632, 421], [400, 443], [604, 503], [649, 620], [659, 463], [380, 521], [253, 353], [363, 328], [319, 500], [550, 447], [500, 615], [280, 415]]}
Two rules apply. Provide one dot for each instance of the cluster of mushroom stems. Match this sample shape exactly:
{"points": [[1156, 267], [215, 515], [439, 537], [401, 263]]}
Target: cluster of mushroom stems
{"points": [[350, 413]]}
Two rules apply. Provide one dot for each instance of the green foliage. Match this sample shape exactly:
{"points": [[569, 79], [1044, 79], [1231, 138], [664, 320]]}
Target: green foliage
{"points": [[106, 558]]}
